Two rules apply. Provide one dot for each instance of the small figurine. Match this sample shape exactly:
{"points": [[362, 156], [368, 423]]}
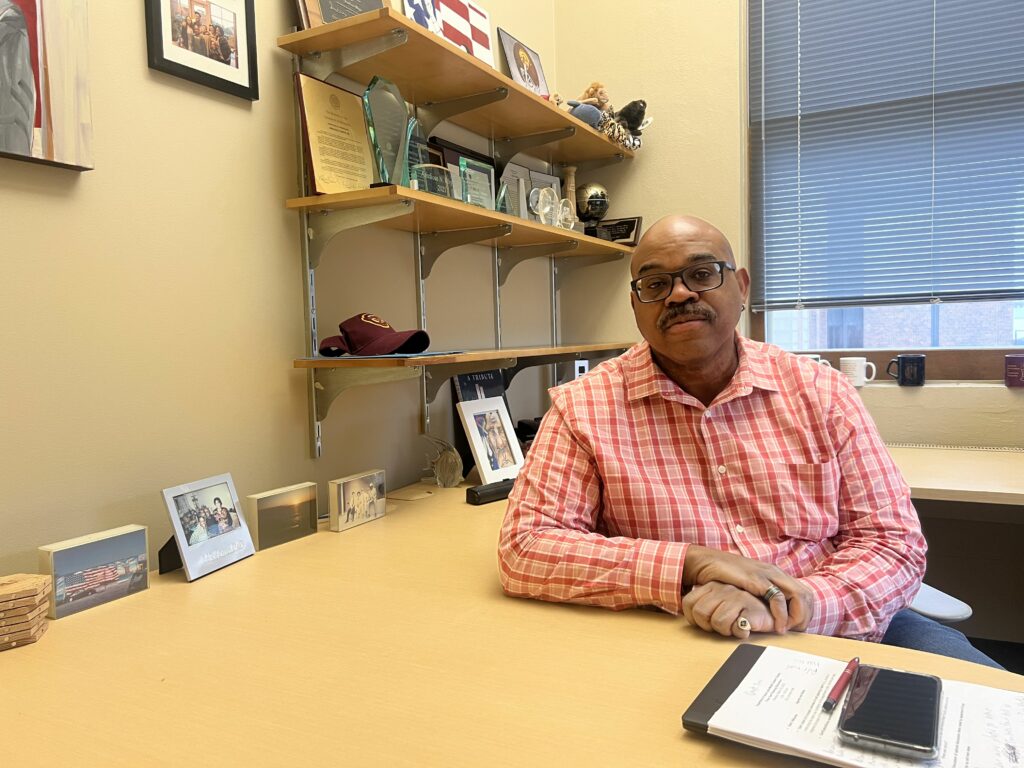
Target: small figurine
{"points": [[446, 465], [592, 105]]}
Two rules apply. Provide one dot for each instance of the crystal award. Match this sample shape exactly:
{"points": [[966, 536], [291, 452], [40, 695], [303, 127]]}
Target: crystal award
{"points": [[387, 118]]}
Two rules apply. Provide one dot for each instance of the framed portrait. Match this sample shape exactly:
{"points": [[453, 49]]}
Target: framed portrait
{"points": [[491, 438], [210, 42], [357, 499], [472, 173], [209, 528], [523, 64]]}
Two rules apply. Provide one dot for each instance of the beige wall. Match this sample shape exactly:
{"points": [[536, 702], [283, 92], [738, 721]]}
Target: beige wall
{"points": [[150, 309]]}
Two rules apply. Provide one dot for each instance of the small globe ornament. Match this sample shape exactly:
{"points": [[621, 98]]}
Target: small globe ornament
{"points": [[592, 202]]}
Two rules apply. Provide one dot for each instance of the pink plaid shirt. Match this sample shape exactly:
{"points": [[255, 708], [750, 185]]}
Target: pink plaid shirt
{"points": [[785, 466]]}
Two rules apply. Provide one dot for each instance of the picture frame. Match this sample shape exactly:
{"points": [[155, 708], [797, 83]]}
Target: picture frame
{"points": [[210, 535], [523, 65], [452, 157], [625, 231], [472, 386], [357, 499], [492, 438], [182, 42], [282, 514], [423, 13], [95, 569], [318, 12]]}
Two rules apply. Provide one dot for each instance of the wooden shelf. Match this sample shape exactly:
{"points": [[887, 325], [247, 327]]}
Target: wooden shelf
{"points": [[433, 213], [470, 356], [428, 69]]}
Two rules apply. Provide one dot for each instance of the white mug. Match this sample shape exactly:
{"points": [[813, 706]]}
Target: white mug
{"points": [[818, 359], [855, 369]]}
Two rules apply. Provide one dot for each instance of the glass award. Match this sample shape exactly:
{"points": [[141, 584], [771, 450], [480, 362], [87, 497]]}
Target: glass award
{"points": [[477, 182], [389, 124], [431, 178], [544, 202]]}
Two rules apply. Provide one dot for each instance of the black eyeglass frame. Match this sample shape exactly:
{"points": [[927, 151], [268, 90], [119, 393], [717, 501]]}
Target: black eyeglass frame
{"points": [[720, 265]]}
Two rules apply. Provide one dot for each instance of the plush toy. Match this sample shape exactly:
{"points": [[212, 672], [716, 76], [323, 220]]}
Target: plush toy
{"points": [[592, 105], [627, 125]]}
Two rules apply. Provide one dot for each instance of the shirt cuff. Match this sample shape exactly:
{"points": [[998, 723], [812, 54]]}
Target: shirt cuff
{"points": [[658, 574], [828, 606]]}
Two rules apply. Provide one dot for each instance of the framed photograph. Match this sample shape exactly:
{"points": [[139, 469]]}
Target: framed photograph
{"points": [[281, 515], [45, 109], [523, 64], [466, 25], [210, 42], [624, 231], [492, 438], [325, 11], [95, 569], [472, 173], [357, 499], [209, 530]]}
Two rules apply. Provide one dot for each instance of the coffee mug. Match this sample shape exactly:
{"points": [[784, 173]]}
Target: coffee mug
{"points": [[855, 369], [818, 359], [909, 370], [1013, 373]]}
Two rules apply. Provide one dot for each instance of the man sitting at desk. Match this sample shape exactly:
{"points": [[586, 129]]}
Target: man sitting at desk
{"points": [[714, 476]]}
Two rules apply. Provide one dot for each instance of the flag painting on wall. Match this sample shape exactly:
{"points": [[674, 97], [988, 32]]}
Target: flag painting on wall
{"points": [[462, 23]]}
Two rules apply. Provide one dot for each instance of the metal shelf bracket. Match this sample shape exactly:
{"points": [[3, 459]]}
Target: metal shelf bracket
{"points": [[436, 375], [432, 113], [509, 258], [328, 383], [325, 224], [507, 148], [323, 64], [433, 244]]}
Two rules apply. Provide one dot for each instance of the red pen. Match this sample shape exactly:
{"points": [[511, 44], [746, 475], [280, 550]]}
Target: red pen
{"points": [[840, 686]]}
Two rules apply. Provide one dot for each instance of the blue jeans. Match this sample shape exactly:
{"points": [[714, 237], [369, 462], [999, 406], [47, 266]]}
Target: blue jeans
{"points": [[909, 629]]}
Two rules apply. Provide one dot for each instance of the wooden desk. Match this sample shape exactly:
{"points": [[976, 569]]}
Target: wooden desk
{"points": [[390, 644], [959, 474]]}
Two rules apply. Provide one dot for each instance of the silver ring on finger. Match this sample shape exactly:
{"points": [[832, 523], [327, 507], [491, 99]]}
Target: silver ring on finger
{"points": [[743, 624], [771, 593]]}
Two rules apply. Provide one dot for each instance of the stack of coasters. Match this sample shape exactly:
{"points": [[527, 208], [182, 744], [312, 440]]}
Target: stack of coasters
{"points": [[24, 601]]}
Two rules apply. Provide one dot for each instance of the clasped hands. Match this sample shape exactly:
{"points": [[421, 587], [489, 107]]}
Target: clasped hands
{"points": [[724, 587]]}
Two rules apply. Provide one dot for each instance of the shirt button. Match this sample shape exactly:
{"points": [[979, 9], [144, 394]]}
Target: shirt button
{"points": [[721, 469], [740, 529]]}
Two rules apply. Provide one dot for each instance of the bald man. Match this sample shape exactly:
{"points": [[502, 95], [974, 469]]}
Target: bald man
{"points": [[707, 474]]}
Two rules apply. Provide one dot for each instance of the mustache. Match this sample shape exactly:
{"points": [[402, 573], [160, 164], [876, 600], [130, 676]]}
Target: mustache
{"points": [[685, 312]]}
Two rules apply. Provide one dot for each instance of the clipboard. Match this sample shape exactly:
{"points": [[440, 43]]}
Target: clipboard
{"points": [[726, 680]]}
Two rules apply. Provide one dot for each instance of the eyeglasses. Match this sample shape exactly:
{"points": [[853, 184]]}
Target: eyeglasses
{"points": [[705, 276]]}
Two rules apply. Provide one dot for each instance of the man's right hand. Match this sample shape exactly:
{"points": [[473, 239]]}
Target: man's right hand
{"points": [[792, 609]]}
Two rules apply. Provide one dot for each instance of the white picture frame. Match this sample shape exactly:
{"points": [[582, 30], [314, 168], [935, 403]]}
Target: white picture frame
{"points": [[492, 439], [357, 499], [205, 547]]}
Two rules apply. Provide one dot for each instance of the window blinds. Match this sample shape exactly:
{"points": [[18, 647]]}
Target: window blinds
{"points": [[887, 151]]}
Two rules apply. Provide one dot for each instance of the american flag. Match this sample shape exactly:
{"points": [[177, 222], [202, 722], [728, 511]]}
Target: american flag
{"points": [[467, 26], [91, 577]]}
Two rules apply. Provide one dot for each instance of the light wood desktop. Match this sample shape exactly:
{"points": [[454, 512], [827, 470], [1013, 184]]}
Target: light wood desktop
{"points": [[390, 644], [962, 474]]}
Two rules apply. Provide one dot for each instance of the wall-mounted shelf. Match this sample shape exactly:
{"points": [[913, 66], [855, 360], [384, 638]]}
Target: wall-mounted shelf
{"points": [[333, 375], [430, 72]]}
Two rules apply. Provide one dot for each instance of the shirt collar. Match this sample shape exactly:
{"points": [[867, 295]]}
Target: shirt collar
{"points": [[644, 378]]}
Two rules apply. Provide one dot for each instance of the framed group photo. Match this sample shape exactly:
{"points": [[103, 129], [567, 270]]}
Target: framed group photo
{"points": [[357, 499], [209, 527], [210, 42]]}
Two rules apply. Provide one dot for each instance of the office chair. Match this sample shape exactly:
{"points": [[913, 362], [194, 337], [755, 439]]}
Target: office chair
{"points": [[939, 606]]}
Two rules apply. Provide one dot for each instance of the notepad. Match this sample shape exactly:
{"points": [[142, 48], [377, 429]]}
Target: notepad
{"points": [[771, 698]]}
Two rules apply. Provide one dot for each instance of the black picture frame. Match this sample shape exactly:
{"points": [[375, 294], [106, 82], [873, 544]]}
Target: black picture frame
{"points": [[189, 62], [451, 153], [625, 231]]}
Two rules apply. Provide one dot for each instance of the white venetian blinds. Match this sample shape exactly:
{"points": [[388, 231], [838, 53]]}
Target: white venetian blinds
{"points": [[887, 151]]}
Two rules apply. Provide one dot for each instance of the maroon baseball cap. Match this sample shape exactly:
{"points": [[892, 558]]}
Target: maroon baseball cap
{"points": [[367, 334]]}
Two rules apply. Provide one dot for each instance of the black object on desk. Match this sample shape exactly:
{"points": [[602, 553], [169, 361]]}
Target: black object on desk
{"points": [[485, 494], [169, 557]]}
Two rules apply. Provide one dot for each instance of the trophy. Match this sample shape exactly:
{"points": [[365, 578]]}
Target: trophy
{"points": [[391, 128]]}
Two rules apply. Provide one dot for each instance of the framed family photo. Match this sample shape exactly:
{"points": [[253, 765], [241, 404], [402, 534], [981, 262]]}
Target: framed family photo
{"points": [[210, 42], [357, 499], [209, 527], [491, 438], [523, 64]]}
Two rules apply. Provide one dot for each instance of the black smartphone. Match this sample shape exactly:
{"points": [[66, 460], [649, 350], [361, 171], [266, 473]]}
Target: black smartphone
{"points": [[892, 711]]}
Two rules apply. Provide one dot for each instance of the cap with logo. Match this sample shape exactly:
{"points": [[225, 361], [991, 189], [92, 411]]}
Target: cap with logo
{"points": [[367, 334]]}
